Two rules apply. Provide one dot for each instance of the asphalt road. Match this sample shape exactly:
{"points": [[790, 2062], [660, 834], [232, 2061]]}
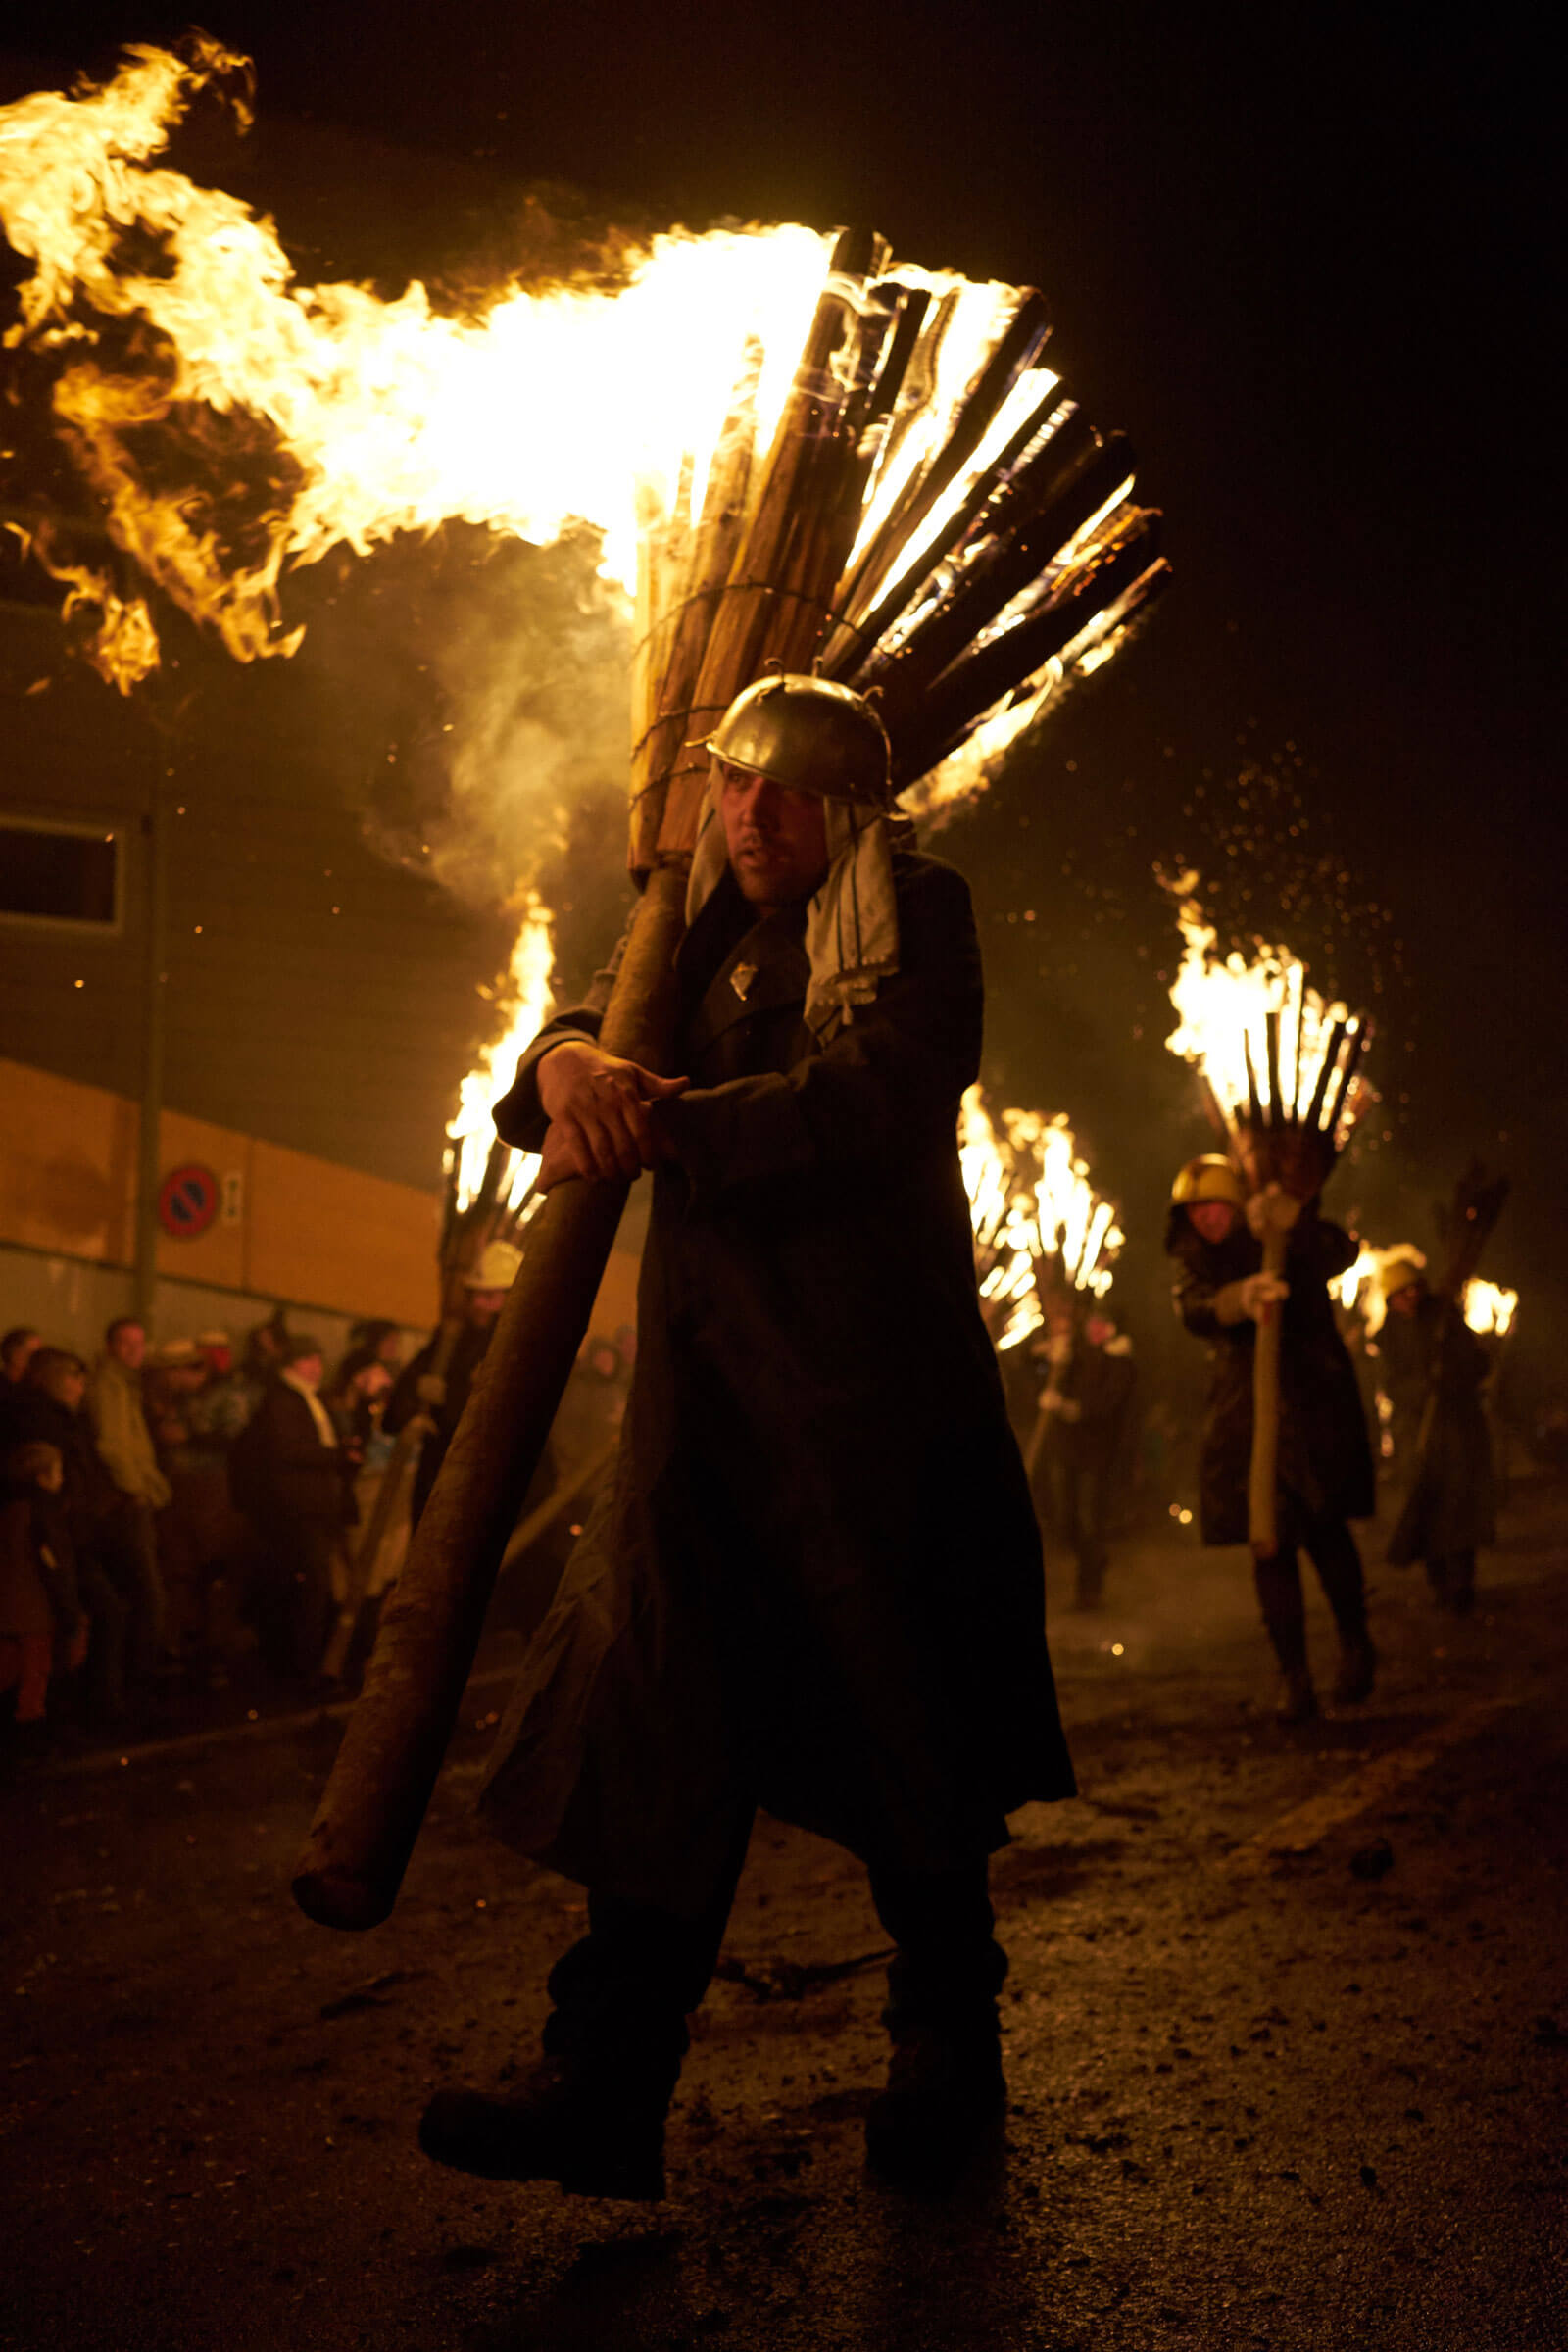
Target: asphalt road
{"points": [[1258, 2099]]}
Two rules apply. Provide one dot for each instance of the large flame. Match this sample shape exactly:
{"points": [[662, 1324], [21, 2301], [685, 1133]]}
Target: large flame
{"points": [[471, 1130], [576, 403], [1223, 1006], [1359, 1288], [1487, 1307], [1031, 1198]]}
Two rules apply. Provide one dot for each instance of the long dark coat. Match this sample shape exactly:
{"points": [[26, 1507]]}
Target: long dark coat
{"points": [[1325, 1458], [814, 1581], [1451, 1503]]}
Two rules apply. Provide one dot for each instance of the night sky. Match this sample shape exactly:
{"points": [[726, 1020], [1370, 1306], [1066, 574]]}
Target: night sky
{"points": [[1302, 257]]}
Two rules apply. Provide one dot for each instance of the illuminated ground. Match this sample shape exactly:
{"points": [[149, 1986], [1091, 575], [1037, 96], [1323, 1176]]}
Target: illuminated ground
{"points": [[1257, 2100]]}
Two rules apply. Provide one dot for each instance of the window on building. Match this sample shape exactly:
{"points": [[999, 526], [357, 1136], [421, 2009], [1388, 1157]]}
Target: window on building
{"points": [[57, 873]]}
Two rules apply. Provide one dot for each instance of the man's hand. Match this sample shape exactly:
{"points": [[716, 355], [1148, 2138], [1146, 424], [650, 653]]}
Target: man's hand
{"points": [[1250, 1299], [1272, 1210], [602, 1112]]}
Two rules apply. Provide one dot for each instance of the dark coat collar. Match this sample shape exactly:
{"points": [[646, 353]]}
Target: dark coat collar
{"points": [[736, 970]]}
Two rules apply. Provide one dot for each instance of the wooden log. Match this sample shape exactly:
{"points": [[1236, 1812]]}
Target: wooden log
{"points": [[675, 634], [857, 636], [924, 734], [359, 1844], [1353, 1063], [776, 601], [1049, 506], [1015, 352], [1279, 1115], [1315, 1108], [1263, 1480]]}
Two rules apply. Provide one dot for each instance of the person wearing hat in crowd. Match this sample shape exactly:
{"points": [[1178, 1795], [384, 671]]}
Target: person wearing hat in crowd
{"points": [[814, 1582], [1432, 1368], [1325, 1475], [290, 1476], [438, 1392]]}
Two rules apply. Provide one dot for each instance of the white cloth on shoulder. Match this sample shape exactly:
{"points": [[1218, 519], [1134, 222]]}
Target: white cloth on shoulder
{"points": [[852, 924]]}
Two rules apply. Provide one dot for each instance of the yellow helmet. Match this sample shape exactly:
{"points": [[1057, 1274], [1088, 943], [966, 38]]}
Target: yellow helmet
{"points": [[1209, 1177], [1399, 1274]]}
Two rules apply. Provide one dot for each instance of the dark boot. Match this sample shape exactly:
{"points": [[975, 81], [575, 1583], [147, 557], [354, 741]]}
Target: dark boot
{"points": [[1359, 1666], [944, 2098], [1279, 1591], [596, 2131], [946, 2092], [591, 2114]]}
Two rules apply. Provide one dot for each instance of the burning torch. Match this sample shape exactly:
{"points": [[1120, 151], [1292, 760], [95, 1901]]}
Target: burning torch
{"points": [[1280, 1074]]}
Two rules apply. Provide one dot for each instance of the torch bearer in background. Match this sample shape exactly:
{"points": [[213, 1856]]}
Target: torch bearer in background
{"points": [[925, 460], [1043, 1235], [1279, 1073]]}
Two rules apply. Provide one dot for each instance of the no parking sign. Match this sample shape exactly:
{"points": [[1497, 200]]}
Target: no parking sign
{"points": [[188, 1201]]}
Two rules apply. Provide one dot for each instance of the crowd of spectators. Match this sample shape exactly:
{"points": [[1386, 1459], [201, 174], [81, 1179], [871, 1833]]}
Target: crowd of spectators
{"points": [[178, 1516]]}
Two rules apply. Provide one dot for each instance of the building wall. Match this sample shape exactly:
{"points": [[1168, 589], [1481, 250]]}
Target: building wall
{"points": [[314, 993], [330, 1243]]}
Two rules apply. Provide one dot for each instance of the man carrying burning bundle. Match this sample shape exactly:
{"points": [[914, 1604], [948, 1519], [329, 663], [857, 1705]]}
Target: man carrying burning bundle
{"points": [[815, 1581], [1216, 1232]]}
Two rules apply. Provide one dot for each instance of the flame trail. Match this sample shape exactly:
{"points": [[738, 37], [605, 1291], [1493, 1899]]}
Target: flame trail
{"points": [[1030, 1198], [1224, 1006]]}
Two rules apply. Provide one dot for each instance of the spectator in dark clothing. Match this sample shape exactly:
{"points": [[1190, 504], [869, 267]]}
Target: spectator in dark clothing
{"points": [[295, 1483], [1086, 1400], [1433, 1368], [47, 1408], [17, 1350], [441, 1393], [42, 1625]]}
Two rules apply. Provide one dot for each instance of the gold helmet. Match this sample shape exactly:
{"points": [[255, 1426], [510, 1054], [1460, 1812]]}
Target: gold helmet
{"points": [[1211, 1177], [1400, 1273], [809, 736]]}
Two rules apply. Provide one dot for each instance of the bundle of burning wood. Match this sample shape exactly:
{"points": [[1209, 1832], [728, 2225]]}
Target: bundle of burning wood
{"points": [[1039, 1225], [962, 551]]}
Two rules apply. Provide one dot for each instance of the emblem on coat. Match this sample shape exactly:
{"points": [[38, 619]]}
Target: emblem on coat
{"points": [[741, 979]]}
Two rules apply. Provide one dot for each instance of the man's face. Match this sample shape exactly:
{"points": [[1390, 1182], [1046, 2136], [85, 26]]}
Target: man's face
{"points": [[52, 1476], [129, 1345], [20, 1354], [778, 838], [219, 1360], [1213, 1220], [306, 1369], [67, 1384], [1405, 1302], [485, 1305]]}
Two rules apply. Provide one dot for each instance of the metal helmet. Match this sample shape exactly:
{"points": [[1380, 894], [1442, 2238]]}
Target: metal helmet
{"points": [[1401, 1274], [1211, 1177], [809, 736]]}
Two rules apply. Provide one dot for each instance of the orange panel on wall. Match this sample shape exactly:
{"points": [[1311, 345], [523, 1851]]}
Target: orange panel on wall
{"points": [[332, 1237], [68, 1171]]}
